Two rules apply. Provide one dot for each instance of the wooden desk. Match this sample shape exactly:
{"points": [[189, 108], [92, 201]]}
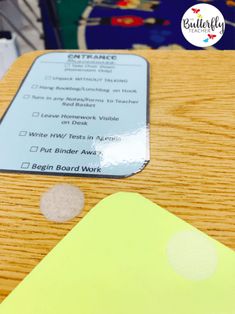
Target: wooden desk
{"points": [[192, 168]]}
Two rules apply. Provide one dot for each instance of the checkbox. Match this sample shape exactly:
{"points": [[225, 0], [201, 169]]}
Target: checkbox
{"points": [[23, 133], [33, 149], [35, 114], [25, 165], [26, 96], [34, 86]]}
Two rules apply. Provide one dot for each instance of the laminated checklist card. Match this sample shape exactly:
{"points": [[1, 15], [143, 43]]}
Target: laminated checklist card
{"points": [[79, 114], [128, 255]]}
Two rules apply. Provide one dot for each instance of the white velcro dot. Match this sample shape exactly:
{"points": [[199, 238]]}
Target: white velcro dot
{"points": [[192, 255], [62, 202]]}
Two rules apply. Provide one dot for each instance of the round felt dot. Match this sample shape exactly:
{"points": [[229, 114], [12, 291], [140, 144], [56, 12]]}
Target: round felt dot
{"points": [[192, 255], [62, 202]]}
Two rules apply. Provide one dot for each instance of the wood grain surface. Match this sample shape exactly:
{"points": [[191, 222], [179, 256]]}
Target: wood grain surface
{"points": [[192, 168]]}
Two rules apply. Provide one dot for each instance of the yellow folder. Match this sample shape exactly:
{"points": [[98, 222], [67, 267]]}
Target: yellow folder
{"points": [[130, 256]]}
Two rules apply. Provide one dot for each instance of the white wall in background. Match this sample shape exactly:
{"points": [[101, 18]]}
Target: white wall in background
{"points": [[7, 50], [8, 53]]}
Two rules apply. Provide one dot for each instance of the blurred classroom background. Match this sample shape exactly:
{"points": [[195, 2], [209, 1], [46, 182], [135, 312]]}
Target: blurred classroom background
{"points": [[27, 25]]}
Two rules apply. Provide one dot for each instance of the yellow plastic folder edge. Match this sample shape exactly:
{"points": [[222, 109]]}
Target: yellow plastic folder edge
{"points": [[129, 255]]}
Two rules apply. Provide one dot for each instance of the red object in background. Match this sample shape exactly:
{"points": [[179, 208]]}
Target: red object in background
{"points": [[127, 21], [122, 3], [166, 23]]}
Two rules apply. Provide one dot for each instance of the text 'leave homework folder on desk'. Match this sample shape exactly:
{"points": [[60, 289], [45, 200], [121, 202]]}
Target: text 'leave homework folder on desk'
{"points": [[146, 263]]}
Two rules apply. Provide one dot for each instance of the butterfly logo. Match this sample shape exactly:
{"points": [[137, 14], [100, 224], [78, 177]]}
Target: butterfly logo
{"points": [[195, 10], [211, 36]]}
